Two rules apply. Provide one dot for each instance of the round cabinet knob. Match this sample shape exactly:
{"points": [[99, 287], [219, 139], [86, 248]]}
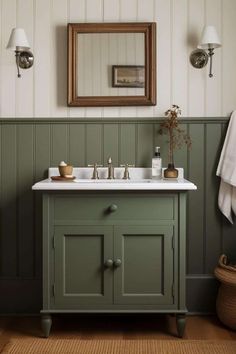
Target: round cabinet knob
{"points": [[113, 207], [117, 263], [109, 263]]}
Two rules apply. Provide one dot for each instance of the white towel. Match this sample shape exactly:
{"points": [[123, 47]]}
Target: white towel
{"points": [[227, 171]]}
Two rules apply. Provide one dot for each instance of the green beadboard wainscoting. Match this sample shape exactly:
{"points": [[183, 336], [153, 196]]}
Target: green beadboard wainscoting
{"points": [[29, 146]]}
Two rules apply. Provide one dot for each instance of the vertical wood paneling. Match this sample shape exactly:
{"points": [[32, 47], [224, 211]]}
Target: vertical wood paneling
{"points": [[94, 10], [145, 12], [87, 58], [94, 13], [8, 68], [27, 150], [162, 142], [131, 49], [112, 14], [9, 237], [25, 178], [58, 56], [42, 67], [163, 19], [81, 54], [104, 57], [213, 216], [25, 85], [110, 143], [59, 144], [77, 144], [128, 12], [214, 85], [99, 70], [196, 78], [180, 155], [228, 240], [229, 60], [144, 150], [179, 23], [41, 162], [111, 10], [94, 144], [1, 61], [1, 201], [42, 150], [179, 55], [127, 144], [195, 241], [76, 14]]}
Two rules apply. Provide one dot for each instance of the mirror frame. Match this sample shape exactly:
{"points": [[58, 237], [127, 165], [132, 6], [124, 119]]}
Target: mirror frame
{"points": [[149, 31]]}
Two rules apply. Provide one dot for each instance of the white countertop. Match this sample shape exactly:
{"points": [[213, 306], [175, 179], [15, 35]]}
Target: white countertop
{"points": [[139, 180]]}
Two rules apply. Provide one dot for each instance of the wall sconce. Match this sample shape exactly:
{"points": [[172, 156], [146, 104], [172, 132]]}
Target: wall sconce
{"points": [[209, 41], [19, 43]]}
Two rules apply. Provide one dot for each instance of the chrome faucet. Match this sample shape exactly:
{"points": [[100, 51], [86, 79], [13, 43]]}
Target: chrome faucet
{"points": [[110, 169]]}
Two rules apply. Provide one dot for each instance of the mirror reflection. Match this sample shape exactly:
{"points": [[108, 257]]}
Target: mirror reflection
{"points": [[110, 64]]}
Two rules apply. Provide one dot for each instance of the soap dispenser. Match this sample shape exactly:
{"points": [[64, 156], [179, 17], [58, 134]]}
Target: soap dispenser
{"points": [[157, 164]]}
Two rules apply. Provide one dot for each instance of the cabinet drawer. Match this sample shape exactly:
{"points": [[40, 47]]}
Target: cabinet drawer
{"points": [[114, 207]]}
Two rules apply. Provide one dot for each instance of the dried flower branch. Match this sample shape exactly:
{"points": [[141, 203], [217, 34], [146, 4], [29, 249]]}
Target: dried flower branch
{"points": [[177, 137]]}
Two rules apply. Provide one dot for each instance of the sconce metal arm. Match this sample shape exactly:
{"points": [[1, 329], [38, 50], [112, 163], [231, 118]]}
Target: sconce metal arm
{"points": [[210, 53], [17, 62]]}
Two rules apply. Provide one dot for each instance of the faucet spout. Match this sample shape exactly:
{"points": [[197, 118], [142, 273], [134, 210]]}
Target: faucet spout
{"points": [[110, 169]]}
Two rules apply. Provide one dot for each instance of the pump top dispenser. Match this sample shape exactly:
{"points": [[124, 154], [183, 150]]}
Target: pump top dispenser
{"points": [[157, 151], [157, 164]]}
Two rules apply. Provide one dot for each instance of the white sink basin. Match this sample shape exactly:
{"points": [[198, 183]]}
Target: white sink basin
{"points": [[83, 180]]}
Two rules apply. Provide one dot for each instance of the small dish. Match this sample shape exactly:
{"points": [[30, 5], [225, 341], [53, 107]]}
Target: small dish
{"points": [[60, 178]]}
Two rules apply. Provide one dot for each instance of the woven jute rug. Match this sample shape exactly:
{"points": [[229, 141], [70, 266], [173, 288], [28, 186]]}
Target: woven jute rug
{"points": [[36, 346]]}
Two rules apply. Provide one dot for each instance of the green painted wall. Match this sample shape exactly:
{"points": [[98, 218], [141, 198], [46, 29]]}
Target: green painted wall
{"points": [[29, 146]]}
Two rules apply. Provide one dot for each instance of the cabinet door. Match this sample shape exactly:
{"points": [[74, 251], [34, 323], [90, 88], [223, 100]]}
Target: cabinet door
{"points": [[143, 265], [81, 277]]}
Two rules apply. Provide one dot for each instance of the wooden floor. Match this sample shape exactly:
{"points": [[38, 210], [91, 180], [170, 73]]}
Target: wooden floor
{"points": [[116, 327]]}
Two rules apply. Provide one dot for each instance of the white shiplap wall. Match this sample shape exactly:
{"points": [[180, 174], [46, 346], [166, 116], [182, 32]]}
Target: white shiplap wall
{"points": [[41, 92]]}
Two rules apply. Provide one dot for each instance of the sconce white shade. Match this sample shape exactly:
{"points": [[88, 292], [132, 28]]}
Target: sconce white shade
{"points": [[209, 38], [18, 40]]}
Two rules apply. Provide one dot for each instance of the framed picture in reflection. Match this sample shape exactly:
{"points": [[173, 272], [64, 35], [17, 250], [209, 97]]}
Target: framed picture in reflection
{"points": [[128, 76]]}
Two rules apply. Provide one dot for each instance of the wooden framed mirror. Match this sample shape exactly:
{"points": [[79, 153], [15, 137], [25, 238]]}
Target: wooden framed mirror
{"points": [[111, 64]]}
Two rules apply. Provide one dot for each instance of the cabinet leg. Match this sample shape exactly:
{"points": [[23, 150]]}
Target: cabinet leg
{"points": [[180, 323], [46, 323]]}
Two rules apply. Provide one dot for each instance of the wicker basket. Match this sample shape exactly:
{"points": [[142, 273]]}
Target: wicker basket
{"points": [[226, 299]]}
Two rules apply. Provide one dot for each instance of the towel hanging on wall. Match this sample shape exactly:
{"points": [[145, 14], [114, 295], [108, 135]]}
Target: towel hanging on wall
{"points": [[227, 171]]}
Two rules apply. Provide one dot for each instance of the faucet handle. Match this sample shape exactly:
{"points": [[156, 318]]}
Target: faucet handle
{"points": [[127, 165], [126, 172], [95, 171], [94, 164]]}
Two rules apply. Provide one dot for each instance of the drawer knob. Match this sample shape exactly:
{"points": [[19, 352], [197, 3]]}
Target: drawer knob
{"points": [[117, 263], [113, 207], [109, 263]]}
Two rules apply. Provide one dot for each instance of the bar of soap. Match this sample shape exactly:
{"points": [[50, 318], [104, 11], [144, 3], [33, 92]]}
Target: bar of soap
{"points": [[62, 163]]}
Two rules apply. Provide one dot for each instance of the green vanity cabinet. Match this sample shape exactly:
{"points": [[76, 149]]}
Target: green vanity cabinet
{"points": [[143, 277], [113, 252], [81, 277]]}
